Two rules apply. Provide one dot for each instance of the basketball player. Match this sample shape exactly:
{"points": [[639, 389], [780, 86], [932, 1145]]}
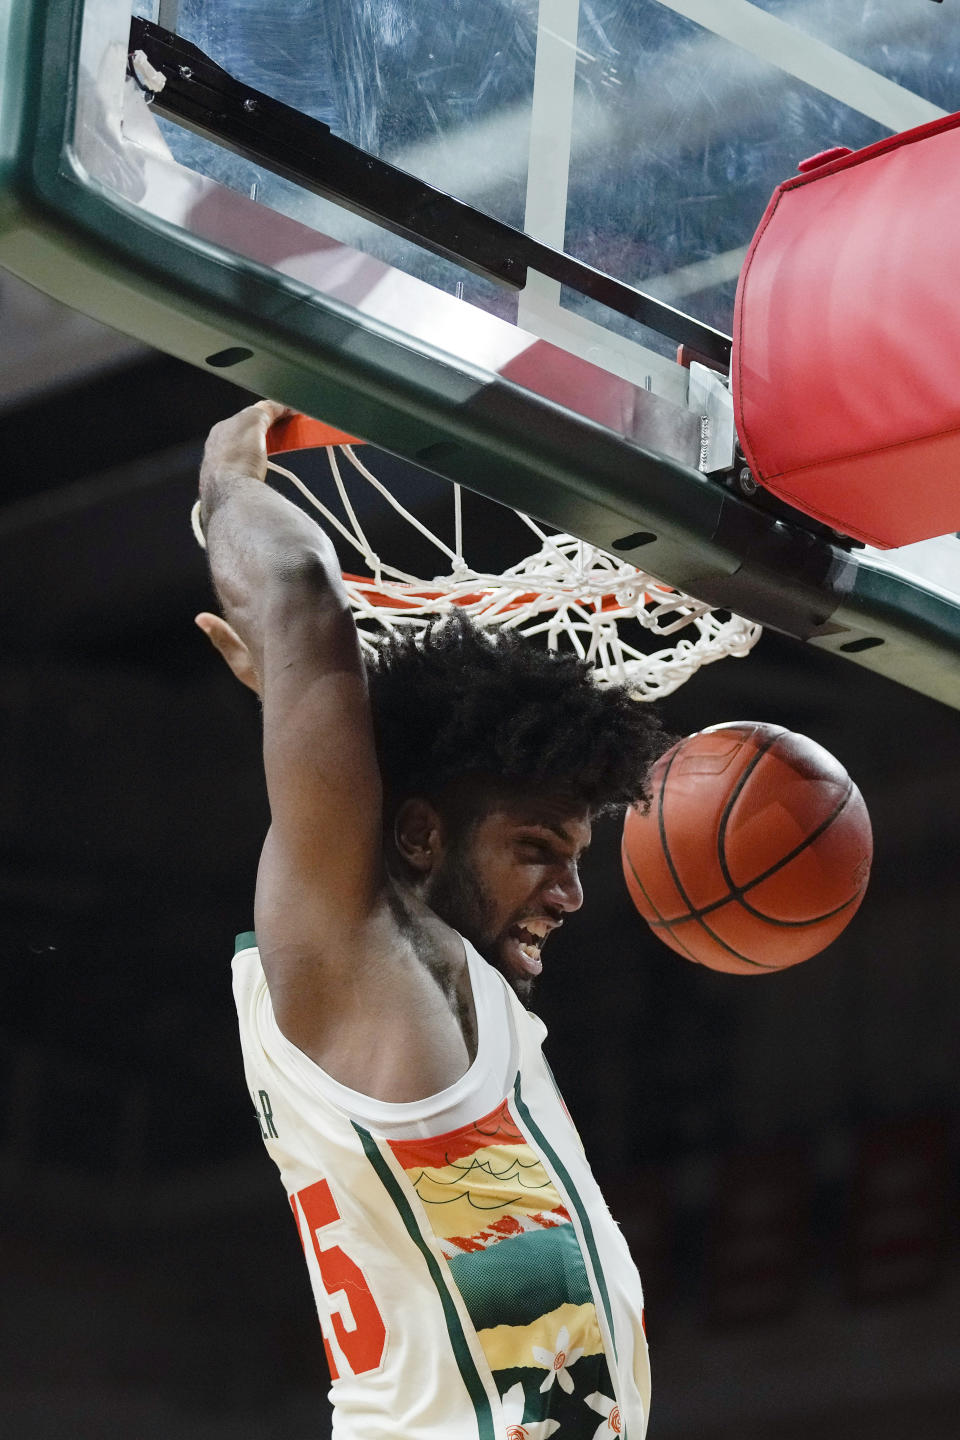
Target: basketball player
{"points": [[427, 820]]}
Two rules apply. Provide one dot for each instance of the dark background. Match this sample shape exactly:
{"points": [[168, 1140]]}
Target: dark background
{"points": [[781, 1151]]}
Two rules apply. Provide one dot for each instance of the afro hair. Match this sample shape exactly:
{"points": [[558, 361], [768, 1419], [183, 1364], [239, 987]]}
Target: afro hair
{"points": [[459, 701]]}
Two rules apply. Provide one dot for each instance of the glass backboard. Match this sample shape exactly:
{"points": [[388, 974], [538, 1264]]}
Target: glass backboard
{"points": [[635, 143], [644, 138]]}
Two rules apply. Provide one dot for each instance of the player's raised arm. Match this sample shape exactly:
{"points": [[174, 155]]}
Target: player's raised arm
{"points": [[294, 639]]}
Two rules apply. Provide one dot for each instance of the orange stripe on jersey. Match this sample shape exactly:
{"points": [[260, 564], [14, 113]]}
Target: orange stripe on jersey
{"points": [[497, 1128]]}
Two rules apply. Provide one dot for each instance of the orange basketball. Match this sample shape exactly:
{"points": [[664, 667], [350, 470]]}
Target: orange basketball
{"points": [[755, 852]]}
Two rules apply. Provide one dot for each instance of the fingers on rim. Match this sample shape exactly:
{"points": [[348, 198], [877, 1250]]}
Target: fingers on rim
{"points": [[274, 409]]}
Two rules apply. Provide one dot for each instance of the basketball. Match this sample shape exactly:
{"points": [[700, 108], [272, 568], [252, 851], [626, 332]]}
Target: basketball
{"points": [[755, 852]]}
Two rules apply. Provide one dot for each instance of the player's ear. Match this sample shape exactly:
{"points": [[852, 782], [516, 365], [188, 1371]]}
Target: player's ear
{"points": [[419, 834], [224, 638]]}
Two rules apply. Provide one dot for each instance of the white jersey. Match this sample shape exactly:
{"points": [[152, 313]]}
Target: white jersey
{"points": [[469, 1279]]}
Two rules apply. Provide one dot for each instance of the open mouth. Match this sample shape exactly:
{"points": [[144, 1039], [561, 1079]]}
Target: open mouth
{"points": [[526, 942]]}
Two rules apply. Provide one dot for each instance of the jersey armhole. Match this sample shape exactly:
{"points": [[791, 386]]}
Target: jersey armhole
{"points": [[477, 1091]]}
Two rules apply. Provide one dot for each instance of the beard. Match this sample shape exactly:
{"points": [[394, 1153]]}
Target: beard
{"points": [[462, 902]]}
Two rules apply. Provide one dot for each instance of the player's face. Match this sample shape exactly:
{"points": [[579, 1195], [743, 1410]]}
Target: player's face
{"points": [[512, 880]]}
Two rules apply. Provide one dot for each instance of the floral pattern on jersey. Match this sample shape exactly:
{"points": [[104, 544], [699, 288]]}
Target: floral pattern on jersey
{"points": [[610, 1410], [513, 1253], [514, 1404], [558, 1361]]}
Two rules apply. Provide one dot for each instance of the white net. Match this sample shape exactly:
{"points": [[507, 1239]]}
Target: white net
{"points": [[567, 594]]}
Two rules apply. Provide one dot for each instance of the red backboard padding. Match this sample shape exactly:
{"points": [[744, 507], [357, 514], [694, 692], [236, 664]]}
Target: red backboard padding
{"points": [[846, 351]]}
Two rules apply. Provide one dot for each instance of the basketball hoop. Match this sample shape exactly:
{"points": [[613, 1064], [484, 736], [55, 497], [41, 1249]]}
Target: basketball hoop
{"points": [[566, 593]]}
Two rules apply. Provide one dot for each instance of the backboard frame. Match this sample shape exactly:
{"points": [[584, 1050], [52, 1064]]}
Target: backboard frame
{"points": [[63, 232]]}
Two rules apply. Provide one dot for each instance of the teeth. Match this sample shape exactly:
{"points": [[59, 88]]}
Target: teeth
{"points": [[532, 952], [537, 927]]}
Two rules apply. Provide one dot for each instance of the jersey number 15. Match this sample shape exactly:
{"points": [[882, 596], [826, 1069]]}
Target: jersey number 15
{"points": [[356, 1322]]}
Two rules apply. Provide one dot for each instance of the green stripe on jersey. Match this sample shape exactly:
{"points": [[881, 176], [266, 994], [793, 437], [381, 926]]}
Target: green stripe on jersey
{"points": [[575, 1200], [246, 940], [458, 1340]]}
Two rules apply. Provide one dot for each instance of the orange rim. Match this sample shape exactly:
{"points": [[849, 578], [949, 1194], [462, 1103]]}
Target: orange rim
{"points": [[299, 432], [417, 597]]}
